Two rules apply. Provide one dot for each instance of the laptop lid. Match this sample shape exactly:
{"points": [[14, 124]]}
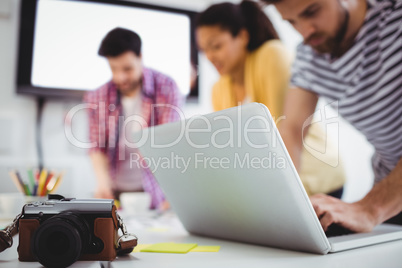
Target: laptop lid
{"points": [[228, 175]]}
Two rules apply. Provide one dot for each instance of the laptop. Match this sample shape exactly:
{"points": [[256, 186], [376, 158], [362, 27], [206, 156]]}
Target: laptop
{"points": [[228, 175]]}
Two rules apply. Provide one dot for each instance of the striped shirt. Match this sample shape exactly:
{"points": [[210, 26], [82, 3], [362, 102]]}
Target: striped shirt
{"points": [[157, 89], [365, 83]]}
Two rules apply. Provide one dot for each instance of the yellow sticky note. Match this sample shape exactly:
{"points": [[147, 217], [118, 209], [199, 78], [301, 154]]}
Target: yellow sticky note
{"points": [[206, 249], [158, 229], [169, 248], [141, 246]]}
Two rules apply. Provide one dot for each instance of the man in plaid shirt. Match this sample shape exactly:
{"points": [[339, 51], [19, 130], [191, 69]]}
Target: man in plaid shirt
{"points": [[135, 98]]}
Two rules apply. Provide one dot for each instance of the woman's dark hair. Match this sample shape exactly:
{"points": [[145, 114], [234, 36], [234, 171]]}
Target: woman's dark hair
{"points": [[234, 17], [118, 41]]}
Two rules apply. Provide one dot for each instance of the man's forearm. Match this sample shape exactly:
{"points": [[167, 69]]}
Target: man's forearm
{"points": [[293, 142], [299, 106], [101, 167], [385, 199]]}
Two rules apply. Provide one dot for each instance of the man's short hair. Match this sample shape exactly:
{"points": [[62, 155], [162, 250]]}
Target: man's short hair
{"points": [[271, 1], [119, 41]]}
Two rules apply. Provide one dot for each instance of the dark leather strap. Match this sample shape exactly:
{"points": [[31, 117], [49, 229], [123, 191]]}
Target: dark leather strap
{"points": [[4, 244], [6, 238]]}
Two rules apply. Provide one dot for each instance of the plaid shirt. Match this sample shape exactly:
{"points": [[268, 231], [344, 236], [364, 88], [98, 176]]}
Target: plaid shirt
{"points": [[106, 111]]}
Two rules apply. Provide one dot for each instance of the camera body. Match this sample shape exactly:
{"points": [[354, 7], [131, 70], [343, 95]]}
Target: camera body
{"points": [[59, 231]]}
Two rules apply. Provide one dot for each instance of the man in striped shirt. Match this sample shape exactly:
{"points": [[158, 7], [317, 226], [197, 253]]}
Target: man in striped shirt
{"points": [[136, 97], [351, 55]]}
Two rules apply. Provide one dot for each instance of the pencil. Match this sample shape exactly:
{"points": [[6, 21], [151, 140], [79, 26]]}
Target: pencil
{"points": [[44, 189], [25, 185], [36, 182], [57, 183], [51, 183], [35, 190], [17, 182], [32, 181], [42, 181], [27, 191]]}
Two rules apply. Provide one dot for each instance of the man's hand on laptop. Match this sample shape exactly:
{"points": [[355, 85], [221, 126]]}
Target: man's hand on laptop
{"points": [[353, 216]]}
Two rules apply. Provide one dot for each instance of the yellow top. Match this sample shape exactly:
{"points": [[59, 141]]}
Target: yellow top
{"points": [[266, 79]]}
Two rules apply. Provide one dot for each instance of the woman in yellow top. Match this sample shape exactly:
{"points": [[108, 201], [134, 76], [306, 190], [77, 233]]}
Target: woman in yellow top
{"points": [[242, 44]]}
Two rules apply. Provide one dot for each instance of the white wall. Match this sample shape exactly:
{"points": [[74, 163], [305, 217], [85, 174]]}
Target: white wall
{"points": [[18, 112]]}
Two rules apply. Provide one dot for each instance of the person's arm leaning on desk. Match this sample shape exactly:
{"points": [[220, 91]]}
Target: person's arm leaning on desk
{"points": [[100, 164], [169, 102], [381, 203], [100, 161], [97, 154]]}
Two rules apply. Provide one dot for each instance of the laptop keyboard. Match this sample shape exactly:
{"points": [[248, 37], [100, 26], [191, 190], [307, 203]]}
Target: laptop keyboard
{"points": [[337, 230]]}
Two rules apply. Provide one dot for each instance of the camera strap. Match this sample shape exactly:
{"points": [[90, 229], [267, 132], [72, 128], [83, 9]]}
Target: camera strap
{"points": [[6, 235], [126, 242]]}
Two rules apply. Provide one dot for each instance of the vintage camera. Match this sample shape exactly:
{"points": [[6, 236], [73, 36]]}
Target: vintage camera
{"points": [[60, 231]]}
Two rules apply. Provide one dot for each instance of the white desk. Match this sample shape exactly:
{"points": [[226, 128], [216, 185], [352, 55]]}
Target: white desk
{"points": [[232, 254]]}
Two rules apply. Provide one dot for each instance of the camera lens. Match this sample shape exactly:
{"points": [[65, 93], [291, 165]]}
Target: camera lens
{"points": [[60, 240]]}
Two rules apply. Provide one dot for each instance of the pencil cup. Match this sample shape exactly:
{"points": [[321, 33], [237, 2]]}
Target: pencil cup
{"points": [[33, 198], [36, 185]]}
